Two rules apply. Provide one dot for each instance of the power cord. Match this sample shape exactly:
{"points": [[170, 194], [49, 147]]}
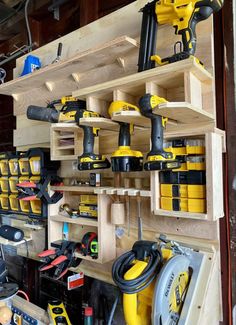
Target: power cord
{"points": [[27, 25], [125, 262]]}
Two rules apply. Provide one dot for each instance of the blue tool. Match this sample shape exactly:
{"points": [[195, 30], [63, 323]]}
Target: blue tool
{"points": [[31, 63]]}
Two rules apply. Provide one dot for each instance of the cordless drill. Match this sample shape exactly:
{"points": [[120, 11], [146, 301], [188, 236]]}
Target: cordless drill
{"points": [[72, 111], [124, 159], [157, 158], [183, 15]]}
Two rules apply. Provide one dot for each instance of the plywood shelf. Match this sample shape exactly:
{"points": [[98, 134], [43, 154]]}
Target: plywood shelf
{"points": [[177, 112], [80, 226], [4, 241], [183, 112], [132, 117], [100, 123], [181, 215], [88, 258], [48, 76], [167, 76], [78, 221], [79, 189]]}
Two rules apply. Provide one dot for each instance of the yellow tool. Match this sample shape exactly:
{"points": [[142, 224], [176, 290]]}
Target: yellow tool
{"points": [[183, 204], [144, 263], [183, 191], [72, 111], [125, 159], [183, 15], [57, 313], [157, 158]]}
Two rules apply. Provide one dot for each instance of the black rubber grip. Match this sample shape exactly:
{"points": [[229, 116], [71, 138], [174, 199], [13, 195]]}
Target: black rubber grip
{"points": [[124, 135], [42, 114]]}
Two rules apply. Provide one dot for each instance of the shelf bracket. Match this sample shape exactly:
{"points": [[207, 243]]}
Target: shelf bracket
{"points": [[50, 85]]}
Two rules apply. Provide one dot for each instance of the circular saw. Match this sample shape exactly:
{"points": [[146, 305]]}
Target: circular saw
{"points": [[170, 289]]}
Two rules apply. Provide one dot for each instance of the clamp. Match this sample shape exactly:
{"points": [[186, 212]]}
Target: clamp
{"points": [[62, 258], [31, 191]]}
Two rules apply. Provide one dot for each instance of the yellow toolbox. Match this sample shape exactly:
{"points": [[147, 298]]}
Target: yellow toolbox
{"points": [[4, 199], [183, 191], [13, 166], [4, 184], [88, 210], [14, 202], [35, 165], [24, 166], [13, 181], [88, 199], [183, 204], [4, 167]]}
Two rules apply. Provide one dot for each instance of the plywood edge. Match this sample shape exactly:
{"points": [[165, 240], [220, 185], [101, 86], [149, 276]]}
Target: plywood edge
{"points": [[144, 76]]}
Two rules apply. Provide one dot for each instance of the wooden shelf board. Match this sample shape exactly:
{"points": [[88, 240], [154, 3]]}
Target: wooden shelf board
{"points": [[66, 136], [132, 117], [181, 215], [167, 76], [183, 112], [101, 55], [64, 157], [88, 258], [65, 147], [100, 123], [4, 241], [77, 221], [122, 191], [80, 189], [65, 127]]}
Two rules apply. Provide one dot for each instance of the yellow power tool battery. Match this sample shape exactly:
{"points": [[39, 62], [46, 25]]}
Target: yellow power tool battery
{"points": [[183, 191], [183, 204]]}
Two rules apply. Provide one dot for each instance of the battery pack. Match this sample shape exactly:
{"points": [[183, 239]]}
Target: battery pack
{"points": [[183, 204], [88, 210], [183, 177], [183, 191], [181, 147]]}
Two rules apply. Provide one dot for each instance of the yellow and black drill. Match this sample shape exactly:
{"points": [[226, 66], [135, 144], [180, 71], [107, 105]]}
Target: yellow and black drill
{"points": [[72, 111], [183, 15], [157, 158], [124, 159]]}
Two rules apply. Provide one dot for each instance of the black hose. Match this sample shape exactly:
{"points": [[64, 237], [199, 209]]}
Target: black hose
{"points": [[125, 262]]}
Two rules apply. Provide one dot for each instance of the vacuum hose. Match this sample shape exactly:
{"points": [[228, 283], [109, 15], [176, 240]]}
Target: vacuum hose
{"points": [[150, 253]]}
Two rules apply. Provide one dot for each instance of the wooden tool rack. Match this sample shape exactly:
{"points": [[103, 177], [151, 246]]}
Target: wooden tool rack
{"points": [[99, 65]]}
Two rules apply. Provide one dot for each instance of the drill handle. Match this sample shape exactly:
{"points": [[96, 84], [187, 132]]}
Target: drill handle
{"points": [[124, 135], [189, 38], [157, 134], [88, 142]]}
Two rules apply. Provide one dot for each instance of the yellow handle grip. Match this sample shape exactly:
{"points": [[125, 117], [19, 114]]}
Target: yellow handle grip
{"points": [[130, 301]]}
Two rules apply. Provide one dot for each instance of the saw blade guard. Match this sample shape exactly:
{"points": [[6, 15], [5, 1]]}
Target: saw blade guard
{"points": [[171, 285]]}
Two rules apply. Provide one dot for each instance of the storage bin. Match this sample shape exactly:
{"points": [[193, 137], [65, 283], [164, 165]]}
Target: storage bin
{"points": [[13, 166], [14, 202], [24, 166]]}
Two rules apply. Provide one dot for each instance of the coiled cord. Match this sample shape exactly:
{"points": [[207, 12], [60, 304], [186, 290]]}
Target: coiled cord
{"points": [[125, 262]]}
